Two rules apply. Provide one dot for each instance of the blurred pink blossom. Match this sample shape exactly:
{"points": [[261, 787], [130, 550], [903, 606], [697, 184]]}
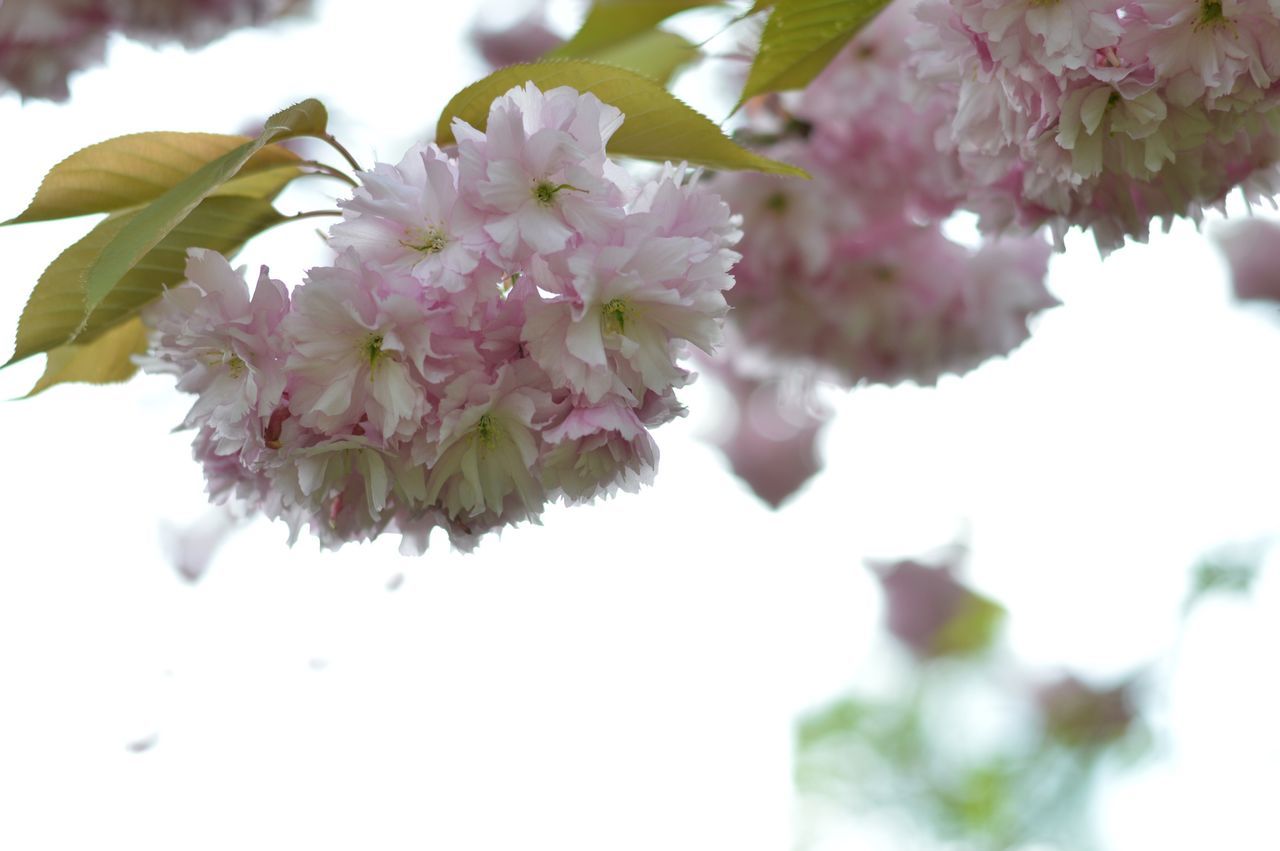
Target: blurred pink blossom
{"points": [[1252, 250], [524, 41], [190, 549], [771, 442], [932, 613], [43, 42], [1079, 714]]}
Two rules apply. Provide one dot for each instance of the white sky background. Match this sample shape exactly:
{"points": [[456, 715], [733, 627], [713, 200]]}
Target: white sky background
{"points": [[626, 675]]}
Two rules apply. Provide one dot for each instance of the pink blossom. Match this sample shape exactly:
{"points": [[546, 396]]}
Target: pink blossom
{"points": [[344, 487], [409, 218], [488, 443], [432, 378], [1209, 50], [538, 170], [677, 202], [227, 478], [616, 314], [360, 350], [222, 345], [596, 450]]}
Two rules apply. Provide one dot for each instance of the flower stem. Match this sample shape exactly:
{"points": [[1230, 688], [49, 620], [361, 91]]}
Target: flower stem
{"points": [[324, 170], [346, 155], [312, 214]]}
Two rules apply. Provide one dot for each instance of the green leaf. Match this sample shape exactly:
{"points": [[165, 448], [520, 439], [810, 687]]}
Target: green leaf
{"points": [[305, 118], [610, 23], [658, 126], [55, 315], [106, 360], [152, 223], [801, 38], [657, 54], [129, 171]]}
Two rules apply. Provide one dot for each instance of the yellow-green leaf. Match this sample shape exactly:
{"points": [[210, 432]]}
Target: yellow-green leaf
{"points": [[801, 38], [55, 314], [152, 223], [657, 54], [129, 171], [611, 22], [305, 118], [264, 184], [658, 126], [106, 360]]}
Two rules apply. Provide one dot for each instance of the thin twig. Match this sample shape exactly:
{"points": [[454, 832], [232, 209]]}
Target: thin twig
{"points": [[346, 155], [325, 170], [311, 214]]}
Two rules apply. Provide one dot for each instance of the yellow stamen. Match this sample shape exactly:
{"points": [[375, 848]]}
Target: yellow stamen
{"points": [[614, 315]]}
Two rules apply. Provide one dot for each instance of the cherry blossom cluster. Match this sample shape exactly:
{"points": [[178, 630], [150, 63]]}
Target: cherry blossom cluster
{"points": [[851, 272], [42, 42], [1103, 114], [850, 277], [499, 329]]}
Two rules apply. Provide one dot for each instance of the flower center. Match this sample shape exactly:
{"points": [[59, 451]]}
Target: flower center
{"points": [[884, 273], [545, 192], [487, 431], [1211, 14], [371, 348], [236, 366], [614, 315], [430, 240]]}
